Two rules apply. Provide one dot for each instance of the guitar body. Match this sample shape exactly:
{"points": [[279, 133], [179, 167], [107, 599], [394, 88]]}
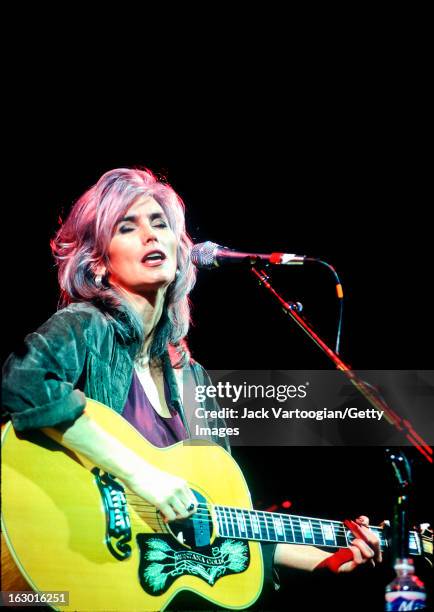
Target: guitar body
{"points": [[54, 520]]}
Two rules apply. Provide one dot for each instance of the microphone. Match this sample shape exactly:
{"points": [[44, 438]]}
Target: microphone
{"points": [[208, 255]]}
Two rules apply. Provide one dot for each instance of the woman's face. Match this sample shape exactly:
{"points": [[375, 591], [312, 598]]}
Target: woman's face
{"points": [[142, 252]]}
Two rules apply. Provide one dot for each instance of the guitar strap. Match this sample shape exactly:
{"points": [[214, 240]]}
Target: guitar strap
{"points": [[174, 391], [193, 376]]}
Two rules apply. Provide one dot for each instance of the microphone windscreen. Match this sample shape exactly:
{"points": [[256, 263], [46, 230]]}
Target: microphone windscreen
{"points": [[203, 255]]}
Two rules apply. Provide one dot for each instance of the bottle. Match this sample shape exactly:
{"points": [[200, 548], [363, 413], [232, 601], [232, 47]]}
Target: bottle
{"points": [[407, 591]]}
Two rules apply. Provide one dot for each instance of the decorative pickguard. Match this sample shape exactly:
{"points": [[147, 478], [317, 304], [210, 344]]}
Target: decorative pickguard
{"points": [[118, 526], [163, 560]]}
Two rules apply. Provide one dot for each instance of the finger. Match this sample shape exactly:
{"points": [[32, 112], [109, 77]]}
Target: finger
{"points": [[357, 555], [363, 520], [179, 507], [189, 501], [362, 532], [167, 512], [192, 507], [372, 539], [355, 529], [178, 500], [367, 535], [365, 550]]}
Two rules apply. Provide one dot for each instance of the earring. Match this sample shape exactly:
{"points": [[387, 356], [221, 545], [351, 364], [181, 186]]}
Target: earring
{"points": [[99, 281]]}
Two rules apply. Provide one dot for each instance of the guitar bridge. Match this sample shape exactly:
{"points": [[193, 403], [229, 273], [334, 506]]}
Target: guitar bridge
{"points": [[118, 525]]}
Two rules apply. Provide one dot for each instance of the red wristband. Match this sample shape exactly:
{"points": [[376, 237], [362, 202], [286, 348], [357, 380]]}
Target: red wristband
{"points": [[334, 562]]}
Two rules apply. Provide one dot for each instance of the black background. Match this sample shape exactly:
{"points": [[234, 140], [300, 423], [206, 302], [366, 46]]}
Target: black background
{"points": [[344, 184]]}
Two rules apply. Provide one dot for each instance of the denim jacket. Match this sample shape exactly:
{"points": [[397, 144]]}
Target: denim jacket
{"points": [[81, 352]]}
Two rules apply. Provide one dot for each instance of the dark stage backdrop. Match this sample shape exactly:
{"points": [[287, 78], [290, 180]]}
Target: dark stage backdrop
{"points": [[366, 214], [362, 210]]}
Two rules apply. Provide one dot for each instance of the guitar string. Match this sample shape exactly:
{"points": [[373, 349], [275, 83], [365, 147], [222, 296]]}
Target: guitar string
{"points": [[339, 529], [316, 523], [292, 539], [204, 511], [316, 531], [259, 513], [237, 533]]}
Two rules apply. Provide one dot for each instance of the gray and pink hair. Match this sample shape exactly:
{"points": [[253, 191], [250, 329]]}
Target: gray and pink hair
{"points": [[82, 242]]}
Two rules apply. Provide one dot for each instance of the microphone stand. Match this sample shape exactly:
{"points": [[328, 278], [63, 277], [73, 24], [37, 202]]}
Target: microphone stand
{"points": [[406, 591], [403, 425], [402, 472]]}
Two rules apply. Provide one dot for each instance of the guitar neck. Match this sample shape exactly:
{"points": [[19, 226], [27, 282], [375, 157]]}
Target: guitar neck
{"points": [[274, 527]]}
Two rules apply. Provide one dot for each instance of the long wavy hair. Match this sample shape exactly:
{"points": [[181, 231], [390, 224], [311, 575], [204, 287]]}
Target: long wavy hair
{"points": [[82, 242]]}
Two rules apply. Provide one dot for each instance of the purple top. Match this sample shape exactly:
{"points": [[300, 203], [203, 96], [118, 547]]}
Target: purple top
{"points": [[158, 430]]}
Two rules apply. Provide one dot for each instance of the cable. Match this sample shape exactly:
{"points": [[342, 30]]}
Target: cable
{"points": [[340, 295]]}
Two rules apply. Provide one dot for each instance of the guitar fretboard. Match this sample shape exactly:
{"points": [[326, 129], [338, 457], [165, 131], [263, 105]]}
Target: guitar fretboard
{"points": [[273, 527]]}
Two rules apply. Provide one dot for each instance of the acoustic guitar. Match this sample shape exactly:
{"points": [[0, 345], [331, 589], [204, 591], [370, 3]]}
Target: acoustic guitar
{"points": [[71, 527]]}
